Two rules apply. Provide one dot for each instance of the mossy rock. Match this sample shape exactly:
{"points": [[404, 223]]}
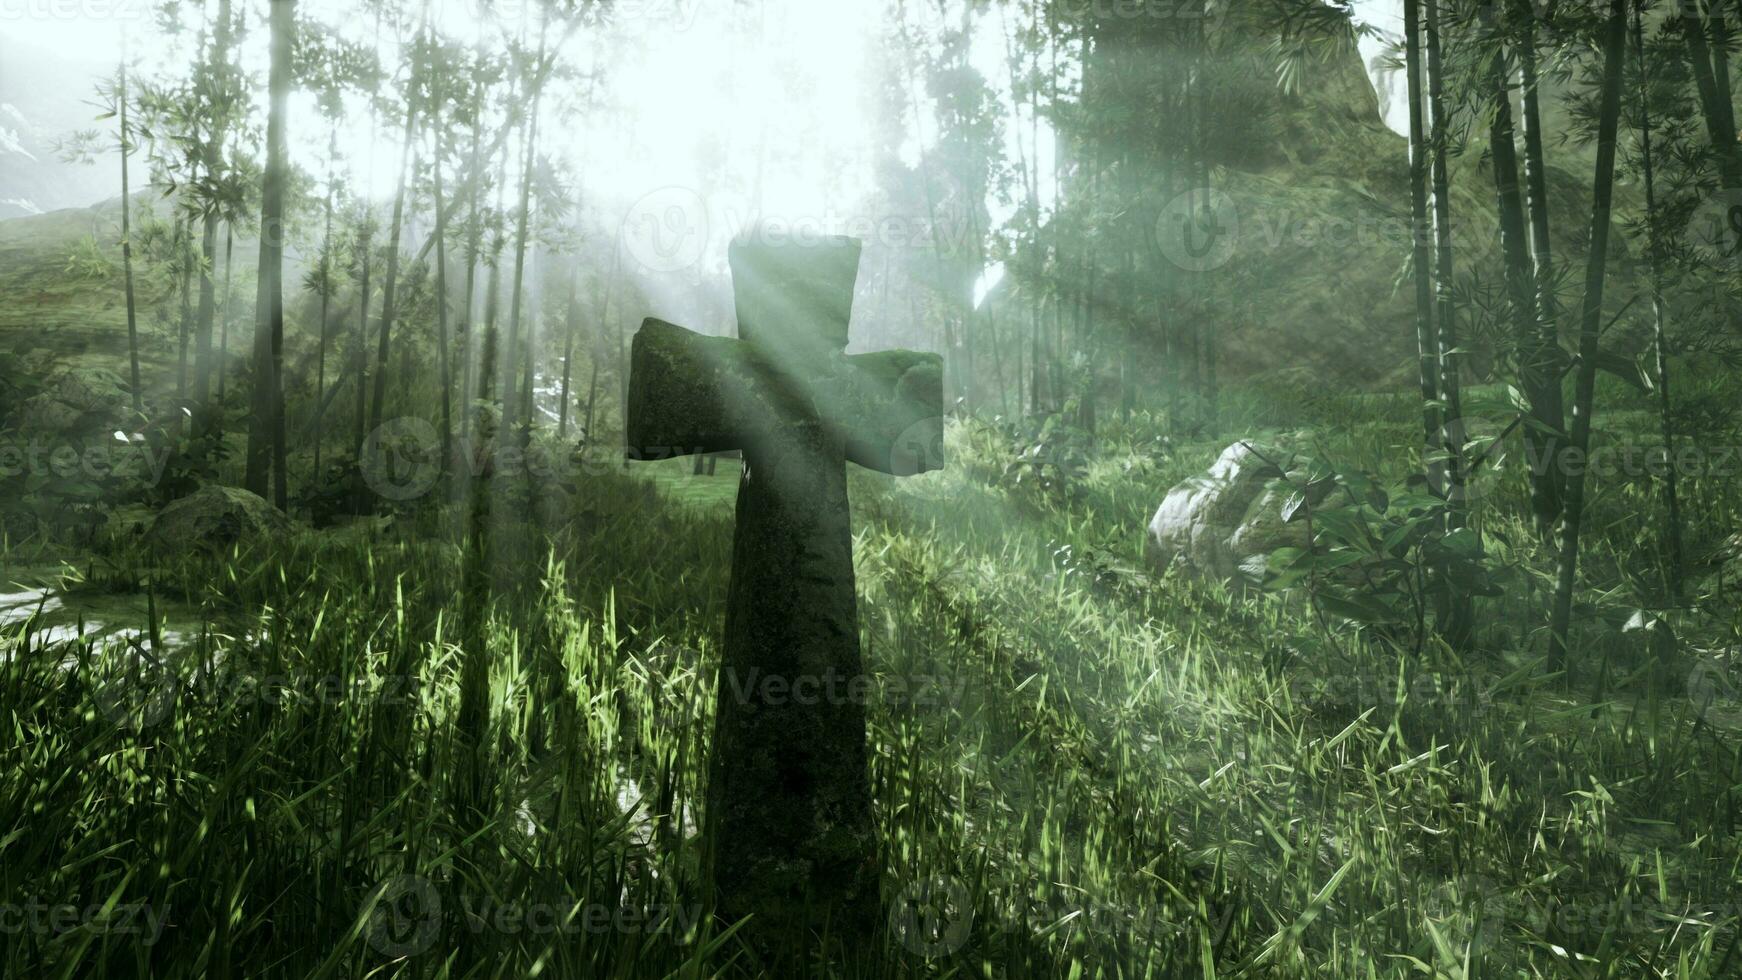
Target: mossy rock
{"points": [[1212, 524], [75, 402], [216, 519]]}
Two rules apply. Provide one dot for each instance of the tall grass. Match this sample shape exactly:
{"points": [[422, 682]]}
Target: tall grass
{"points": [[1080, 767]]}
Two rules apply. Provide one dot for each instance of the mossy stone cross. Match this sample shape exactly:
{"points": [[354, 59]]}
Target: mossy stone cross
{"points": [[788, 819]]}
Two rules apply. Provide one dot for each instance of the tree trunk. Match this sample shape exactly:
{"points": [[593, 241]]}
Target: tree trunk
{"points": [[1445, 313], [1590, 327], [266, 429], [1552, 361], [359, 422], [1427, 345], [184, 273], [214, 151], [474, 247], [326, 295], [378, 401], [1715, 111], [562, 425], [224, 312], [1458, 618], [127, 249], [1541, 445], [528, 155], [1672, 532], [444, 366]]}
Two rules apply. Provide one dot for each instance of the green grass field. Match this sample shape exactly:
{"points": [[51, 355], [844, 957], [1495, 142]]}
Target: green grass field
{"points": [[1081, 767]]}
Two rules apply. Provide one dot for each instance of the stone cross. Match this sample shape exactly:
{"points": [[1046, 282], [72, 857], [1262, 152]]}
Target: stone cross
{"points": [[789, 833]]}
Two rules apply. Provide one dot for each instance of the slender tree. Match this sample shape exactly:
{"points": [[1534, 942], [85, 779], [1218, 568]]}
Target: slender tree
{"points": [[266, 451], [1590, 327], [1672, 532], [1539, 384], [217, 85], [390, 278], [440, 68], [1459, 613], [523, 221], [1421, 244], [324, 283], [562, 423], [127, 237]]}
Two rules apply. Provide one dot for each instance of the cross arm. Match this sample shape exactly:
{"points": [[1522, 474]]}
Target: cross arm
{"points": [[690, 393], [682, 389], [889, 409]]}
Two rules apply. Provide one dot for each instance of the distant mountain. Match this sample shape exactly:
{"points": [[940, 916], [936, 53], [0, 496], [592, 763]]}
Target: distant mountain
{"points": [[45, 97]]}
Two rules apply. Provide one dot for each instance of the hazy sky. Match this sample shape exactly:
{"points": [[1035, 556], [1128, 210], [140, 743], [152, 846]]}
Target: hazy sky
{"points": [[701, 86]]}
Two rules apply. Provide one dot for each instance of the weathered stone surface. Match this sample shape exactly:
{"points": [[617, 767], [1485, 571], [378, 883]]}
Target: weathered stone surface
{"points": [[75, 401], [789, 831], [216, 518], [1212, 523]]}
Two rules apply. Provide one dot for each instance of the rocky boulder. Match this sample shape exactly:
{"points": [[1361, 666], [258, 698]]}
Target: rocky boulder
{"points": [[76, 401], [1213, 523], [216, 519]]}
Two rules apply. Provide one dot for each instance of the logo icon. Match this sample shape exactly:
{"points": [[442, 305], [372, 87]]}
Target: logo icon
{"points": [[134, 691], [1715, 228], [1713, 688], [1472, 439], [932, 917], [399, 459], [405, 917], [919, 448], [667, 229], [1468, 913], [1198, 230]]}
